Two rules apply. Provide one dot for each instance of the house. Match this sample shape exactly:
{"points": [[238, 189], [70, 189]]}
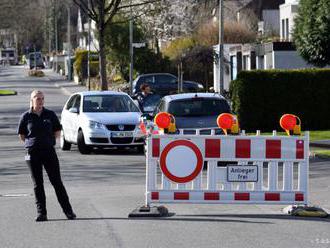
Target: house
{"points": [[230, 66], [269, 55], [82, 28], [8, 38], [266, 12], [288, 11]]}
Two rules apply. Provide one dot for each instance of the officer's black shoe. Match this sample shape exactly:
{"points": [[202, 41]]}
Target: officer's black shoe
{"points": [[71, 216], [41, 217]]}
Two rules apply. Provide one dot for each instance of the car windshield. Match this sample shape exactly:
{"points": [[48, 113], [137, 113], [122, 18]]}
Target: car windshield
{"points": [[198, 107], [109, 103], [150, 102]]}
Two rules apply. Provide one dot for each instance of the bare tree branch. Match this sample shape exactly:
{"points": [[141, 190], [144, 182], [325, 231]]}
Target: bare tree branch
{"points": [[138, 4]]}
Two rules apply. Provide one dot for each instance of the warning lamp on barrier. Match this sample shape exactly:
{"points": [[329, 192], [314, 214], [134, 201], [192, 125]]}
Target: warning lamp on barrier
{"points": [[228, 123], [291, 124], [162, 120], [165, 121]]}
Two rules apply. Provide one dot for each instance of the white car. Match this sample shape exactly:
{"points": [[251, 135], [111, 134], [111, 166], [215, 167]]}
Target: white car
{"points": [[99, 119]]}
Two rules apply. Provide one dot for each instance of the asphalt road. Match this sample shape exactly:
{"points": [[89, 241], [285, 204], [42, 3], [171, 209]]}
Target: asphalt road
{"points": [[105, 186]]}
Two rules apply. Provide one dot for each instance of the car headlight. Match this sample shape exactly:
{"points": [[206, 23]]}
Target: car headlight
{"points": [[96, 125], [200, 86]]}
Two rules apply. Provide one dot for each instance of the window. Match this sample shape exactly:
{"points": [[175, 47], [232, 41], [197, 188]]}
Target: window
{"points": [[162, 79], [146, 79], [77, 102], [109, 103], [286, 28], [198, 107], [71, 102]]}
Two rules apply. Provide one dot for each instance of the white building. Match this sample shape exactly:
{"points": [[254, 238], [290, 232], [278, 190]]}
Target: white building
{"points": [[228, 68], [83, 34], [271, 55], [288, 12]]}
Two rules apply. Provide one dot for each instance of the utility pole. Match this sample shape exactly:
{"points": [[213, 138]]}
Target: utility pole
{"points": [[131, 50], [56, 35], [89, 50], [69, 44], [35, 57], [221, 53], [49, 23]]}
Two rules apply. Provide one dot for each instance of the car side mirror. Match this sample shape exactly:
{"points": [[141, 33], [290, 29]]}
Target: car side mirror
{"points": [[74, 110]]}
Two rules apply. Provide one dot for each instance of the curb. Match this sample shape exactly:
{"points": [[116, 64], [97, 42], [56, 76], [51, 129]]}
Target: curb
{"points": [[319, 145]]}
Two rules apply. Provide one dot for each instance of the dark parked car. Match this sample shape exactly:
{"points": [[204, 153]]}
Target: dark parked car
{"points": [[194, 111], [35, 60], [149, 103], [164, 84]]}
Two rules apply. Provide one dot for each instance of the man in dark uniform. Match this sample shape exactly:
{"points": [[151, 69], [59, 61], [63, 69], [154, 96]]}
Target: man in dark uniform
{"points": [[38, 128]]}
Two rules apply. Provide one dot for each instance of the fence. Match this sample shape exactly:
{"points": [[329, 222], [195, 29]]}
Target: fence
{"points": [[239, 169]]}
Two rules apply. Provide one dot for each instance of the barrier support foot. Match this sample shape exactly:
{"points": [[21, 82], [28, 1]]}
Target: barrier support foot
{"points": [[148, 211], [305, 211]]}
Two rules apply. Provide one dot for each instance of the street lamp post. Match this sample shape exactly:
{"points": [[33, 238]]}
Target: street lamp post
{"points": [[89, 51], [56, 35], [131, 51], [69, 44], [221, 53]]}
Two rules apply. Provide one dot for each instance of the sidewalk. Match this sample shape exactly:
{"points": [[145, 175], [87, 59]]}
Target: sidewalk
{"points": [[68, 87]]}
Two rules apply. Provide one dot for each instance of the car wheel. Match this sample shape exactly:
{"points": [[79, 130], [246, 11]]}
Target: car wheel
{"points": [[65, 146], [82, 147]]}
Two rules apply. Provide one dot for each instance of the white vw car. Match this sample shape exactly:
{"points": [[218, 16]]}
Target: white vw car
{"points": [[100, 118]]}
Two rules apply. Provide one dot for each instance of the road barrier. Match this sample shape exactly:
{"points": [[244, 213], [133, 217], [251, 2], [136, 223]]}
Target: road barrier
{"points": [[239, 169]]}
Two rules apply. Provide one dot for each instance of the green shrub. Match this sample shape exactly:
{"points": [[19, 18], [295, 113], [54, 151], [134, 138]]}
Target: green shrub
{"points": [[94, 68], [80, 64], [261, 97]]}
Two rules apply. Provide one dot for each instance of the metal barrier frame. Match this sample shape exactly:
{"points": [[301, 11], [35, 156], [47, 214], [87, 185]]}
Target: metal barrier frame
{"points": [[217, 189]]}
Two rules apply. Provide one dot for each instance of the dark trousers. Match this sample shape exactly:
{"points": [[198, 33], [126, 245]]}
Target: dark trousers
{"points": [[47, 158]]}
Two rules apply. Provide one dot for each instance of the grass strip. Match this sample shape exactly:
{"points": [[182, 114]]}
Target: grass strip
{"points": [[7, 92]]}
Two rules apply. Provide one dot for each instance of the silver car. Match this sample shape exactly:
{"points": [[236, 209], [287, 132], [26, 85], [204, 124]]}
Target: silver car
{"points": [[100, 119]]}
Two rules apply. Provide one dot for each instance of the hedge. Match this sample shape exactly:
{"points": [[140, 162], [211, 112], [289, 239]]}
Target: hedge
{"points": [[261, 97], [80, 64]]}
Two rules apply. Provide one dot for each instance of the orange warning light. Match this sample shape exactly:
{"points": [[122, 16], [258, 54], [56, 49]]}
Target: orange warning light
{"points": [[225, 121], [163, 120], [288, 121], [228, 123], [291, 124]]}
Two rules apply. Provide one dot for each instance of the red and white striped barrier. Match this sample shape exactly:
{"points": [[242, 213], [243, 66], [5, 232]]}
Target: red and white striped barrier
{"points": [[252, 169]]}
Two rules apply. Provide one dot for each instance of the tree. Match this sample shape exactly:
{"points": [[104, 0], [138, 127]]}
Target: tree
{"points": [[170, 18], [117, 45], [312, 31], [103, 12]]}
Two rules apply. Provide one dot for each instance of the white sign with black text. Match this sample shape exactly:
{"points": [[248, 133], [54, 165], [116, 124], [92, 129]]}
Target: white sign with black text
{"points": [[240, 173]]}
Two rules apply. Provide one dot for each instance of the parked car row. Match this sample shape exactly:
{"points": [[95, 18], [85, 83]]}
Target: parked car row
{"points": [[111, 119], [164, 84]]}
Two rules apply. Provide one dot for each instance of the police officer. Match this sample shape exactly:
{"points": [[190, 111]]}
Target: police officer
{"points": [[38, 128]]}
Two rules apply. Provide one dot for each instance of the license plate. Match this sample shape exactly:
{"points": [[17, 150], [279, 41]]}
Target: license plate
{"points": [[121, 134], [239, 173]]}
